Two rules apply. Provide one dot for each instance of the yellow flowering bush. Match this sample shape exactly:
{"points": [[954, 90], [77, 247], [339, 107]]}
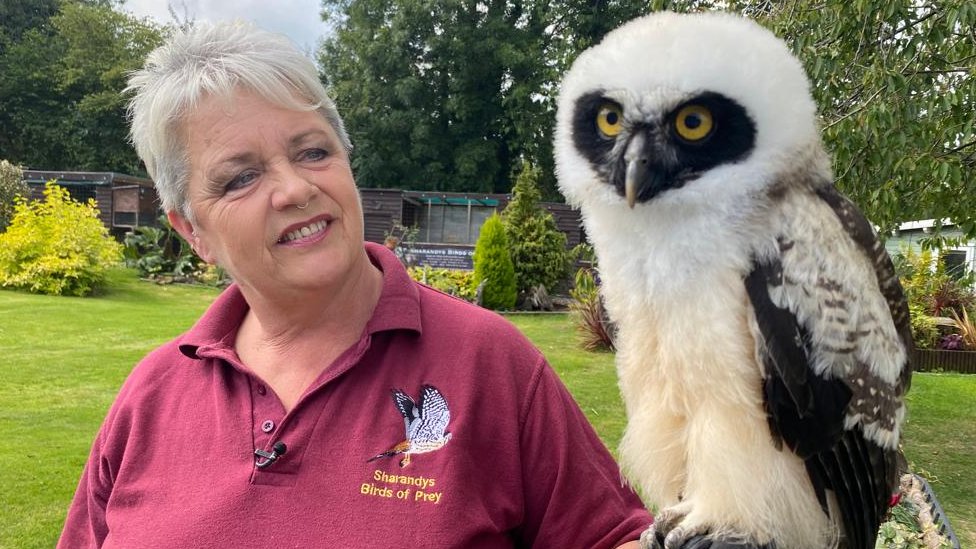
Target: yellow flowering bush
{"points": [[57, 246], [450, 281]]}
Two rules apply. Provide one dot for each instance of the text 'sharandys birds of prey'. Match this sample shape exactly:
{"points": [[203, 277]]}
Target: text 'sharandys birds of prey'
{"points": [[763, 337]]}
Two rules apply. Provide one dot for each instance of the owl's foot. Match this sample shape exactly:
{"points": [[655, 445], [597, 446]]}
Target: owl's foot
{"points": [[649, 540], [664, 521], [668, 532], [711, 542]]}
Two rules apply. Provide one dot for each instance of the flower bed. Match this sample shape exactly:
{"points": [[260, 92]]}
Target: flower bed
{"points": [[918, 521]]}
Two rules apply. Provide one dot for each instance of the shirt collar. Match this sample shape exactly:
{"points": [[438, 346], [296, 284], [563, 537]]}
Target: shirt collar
{"points": [[398, 309]]}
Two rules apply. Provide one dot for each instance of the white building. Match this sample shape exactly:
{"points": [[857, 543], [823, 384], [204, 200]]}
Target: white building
{"points": [[959, 258]]}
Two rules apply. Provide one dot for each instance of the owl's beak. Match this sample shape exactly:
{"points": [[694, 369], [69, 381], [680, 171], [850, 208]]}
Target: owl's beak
{"points": [[636, 158], [640, 176]]}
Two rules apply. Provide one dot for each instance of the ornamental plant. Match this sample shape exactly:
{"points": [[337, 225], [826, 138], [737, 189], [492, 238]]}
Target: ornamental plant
{"points": [[592, 323], [538, 247], [450, 281], [12, 186], [925, 332], [57, 246], [160, 253], [928, 286], [494, 271]]}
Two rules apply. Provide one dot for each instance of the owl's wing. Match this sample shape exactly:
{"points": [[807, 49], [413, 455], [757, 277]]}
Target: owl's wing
{"points": [[831, 326]]}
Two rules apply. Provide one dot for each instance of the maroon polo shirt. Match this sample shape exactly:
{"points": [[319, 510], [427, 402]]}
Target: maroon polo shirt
{"points": [[499, 453]]}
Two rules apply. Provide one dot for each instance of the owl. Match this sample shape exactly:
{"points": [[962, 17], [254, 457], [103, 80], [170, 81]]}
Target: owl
{"points": [[763, 337]]}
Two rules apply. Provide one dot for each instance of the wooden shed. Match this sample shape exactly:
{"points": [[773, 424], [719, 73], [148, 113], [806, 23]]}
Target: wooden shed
{"points": [[449, 218], [124, 201], [447, 224]]}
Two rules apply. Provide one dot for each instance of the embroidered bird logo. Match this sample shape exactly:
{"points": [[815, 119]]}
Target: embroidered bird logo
{"points": [[425, 424]]}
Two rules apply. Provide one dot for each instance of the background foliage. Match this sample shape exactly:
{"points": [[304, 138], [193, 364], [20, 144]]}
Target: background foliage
{"points": [[450, 281], [11, 186], [63, 65], [932, 292], [56, 246], [161, 252]]}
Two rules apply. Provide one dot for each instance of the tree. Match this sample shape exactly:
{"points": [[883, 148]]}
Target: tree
{"points": [[538, 247], [60, 88], [31, 108], [494, 273], [12, 187], [94, 69], [451, 95], [19, 17], [895, 82]]}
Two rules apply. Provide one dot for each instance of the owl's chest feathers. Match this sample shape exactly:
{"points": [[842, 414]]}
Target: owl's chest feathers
{"points": [[682, 309]]}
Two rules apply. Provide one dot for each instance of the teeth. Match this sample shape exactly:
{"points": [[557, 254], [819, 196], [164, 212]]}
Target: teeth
{"points": [[305, 231]]}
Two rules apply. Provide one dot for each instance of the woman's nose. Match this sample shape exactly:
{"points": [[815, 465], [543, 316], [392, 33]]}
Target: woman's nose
{"points": [[290, 187]]}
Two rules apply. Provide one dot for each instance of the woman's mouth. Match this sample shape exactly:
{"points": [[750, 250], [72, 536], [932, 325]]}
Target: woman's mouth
{"points": [[304, 232]]}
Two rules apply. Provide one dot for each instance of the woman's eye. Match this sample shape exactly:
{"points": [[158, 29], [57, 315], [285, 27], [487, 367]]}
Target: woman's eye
{"points": [[242, 180], [313, 155]]}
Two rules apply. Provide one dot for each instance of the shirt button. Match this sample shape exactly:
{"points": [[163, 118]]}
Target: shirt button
{"points": [[261, 390], [267, 426]]}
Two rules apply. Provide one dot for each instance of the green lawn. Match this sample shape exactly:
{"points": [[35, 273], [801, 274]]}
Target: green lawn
{"points": [[64, 359]]}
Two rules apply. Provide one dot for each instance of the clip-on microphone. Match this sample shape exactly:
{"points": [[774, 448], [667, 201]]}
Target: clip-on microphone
{"points": [[265, 459]]}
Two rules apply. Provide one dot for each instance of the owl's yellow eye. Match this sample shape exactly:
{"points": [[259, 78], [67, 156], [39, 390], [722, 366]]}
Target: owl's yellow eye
{"points": [[693, 123], [610, 119]]}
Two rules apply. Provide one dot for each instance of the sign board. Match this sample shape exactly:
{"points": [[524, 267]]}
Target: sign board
{"points": [[438, 256]]}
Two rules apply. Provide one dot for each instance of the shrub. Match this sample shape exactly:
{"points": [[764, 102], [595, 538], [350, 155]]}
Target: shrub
{"points": [[493, 268], [931, 290], [538, 247], [457, 283], [12, 186], [925, 332], [56, 246], [160, 252]]}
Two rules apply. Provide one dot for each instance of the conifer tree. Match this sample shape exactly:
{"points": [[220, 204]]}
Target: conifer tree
{"points": [[494, 272], [538, 247]]}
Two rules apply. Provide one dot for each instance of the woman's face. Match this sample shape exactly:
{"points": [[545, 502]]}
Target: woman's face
{"points": [[272, 195]]}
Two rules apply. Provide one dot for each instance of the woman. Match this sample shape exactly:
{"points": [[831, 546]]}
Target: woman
{"points": [[324, 399]]}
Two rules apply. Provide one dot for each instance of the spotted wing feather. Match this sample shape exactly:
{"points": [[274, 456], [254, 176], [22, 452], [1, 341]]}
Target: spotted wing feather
{"points": [[828, 397]]}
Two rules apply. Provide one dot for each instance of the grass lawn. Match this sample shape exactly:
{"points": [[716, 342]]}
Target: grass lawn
{"points": [[65, 358]]}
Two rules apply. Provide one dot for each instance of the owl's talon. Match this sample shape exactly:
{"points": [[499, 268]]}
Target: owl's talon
{"points": [[681, 537], [651, 539], [707, 541]]}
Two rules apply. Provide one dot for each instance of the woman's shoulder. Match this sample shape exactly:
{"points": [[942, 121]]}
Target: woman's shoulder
{"points": [[161, 369]]}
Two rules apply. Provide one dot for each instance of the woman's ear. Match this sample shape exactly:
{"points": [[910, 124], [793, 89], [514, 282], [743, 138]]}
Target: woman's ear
{"points": [[186, 230]]}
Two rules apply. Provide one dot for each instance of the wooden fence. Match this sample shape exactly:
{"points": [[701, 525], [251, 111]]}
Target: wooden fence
{"points": [[927, 360]]}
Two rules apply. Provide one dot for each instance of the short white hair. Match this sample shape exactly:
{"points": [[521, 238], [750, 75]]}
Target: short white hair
{"points": [[214, 60]]}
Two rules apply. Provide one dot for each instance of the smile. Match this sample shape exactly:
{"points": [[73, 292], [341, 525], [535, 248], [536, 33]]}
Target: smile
{"points": [[304, 232]]}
